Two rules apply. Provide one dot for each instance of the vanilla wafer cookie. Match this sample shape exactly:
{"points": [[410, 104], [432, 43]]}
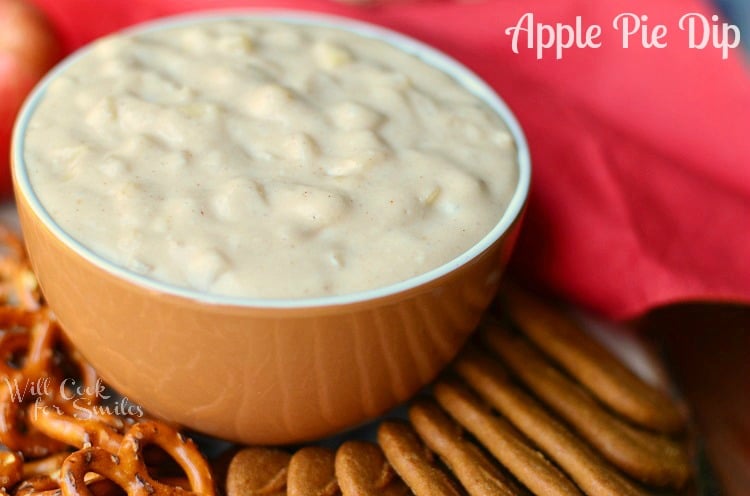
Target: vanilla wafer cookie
{"points": [[413, 461], [258, 471], [476, 472], [503, 441], [560, 337], [312, 473], [589, 471], [362, 470], [649, 457]]}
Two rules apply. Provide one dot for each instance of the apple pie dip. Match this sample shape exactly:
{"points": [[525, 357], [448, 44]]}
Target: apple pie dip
{"points": [[267, 159]]}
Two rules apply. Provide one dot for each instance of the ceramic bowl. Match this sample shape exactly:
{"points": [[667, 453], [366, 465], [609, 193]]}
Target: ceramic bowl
{"points": [[267, 371]]}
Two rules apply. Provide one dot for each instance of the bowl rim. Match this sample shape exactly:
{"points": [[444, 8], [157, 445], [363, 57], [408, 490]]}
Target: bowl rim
{"points": [[432, 56]]}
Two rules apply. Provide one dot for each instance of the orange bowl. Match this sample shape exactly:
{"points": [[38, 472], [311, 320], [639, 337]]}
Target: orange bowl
{"points": [[267, 371]]}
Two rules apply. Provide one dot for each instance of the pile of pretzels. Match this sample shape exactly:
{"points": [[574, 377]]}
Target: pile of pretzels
{"points": [[56, 435]]}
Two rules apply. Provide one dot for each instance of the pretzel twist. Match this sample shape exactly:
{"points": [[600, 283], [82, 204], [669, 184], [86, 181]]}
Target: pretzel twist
{"points": [[29, 332], [50, 486], [38, 486], [27, 347], [76, 432], [18, 286], [39, 477], [31, 368], [16, 436], [128, 470], [11, 468]]}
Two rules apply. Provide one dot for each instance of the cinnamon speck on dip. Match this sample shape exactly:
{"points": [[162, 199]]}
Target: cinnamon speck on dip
{"points": [[259, 158]]}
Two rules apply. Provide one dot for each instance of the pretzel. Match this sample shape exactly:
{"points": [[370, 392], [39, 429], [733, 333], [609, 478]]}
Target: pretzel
{"points": [[89, 381], [646, 456], [30, 442], [128, 470], [32, 370], [413, 462], [11, 468], [503, 441], [38, 486], [472, 468], [18, 286], [50, 486], [27, 347], [37, 343], [79, 433], [592, 474], [42, 478], [592, 364], [32, 332], [38, 333], [44, 466], [39, 476]]}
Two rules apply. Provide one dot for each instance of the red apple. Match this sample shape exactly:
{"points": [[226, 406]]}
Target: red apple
{"points": [[29, 47]]}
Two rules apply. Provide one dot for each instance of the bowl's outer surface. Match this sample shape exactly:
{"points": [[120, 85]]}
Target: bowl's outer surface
{"points": [[258, 375]]}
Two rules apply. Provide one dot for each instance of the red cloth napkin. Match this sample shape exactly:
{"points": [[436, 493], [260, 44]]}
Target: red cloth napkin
{"points": [[641, 157]]}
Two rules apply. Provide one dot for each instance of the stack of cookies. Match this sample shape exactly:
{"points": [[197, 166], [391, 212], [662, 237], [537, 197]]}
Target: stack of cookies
{"points": [[534, 405]]}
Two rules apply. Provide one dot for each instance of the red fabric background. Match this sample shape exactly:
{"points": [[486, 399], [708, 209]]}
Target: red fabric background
{"points": [[641, 157]]}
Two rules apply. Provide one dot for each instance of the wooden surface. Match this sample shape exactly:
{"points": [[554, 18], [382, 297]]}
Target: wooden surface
{"points": [[707, 348]]}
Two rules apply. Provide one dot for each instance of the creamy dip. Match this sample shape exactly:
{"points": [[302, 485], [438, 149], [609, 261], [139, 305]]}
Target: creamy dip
{"points": [[258, 158]]}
